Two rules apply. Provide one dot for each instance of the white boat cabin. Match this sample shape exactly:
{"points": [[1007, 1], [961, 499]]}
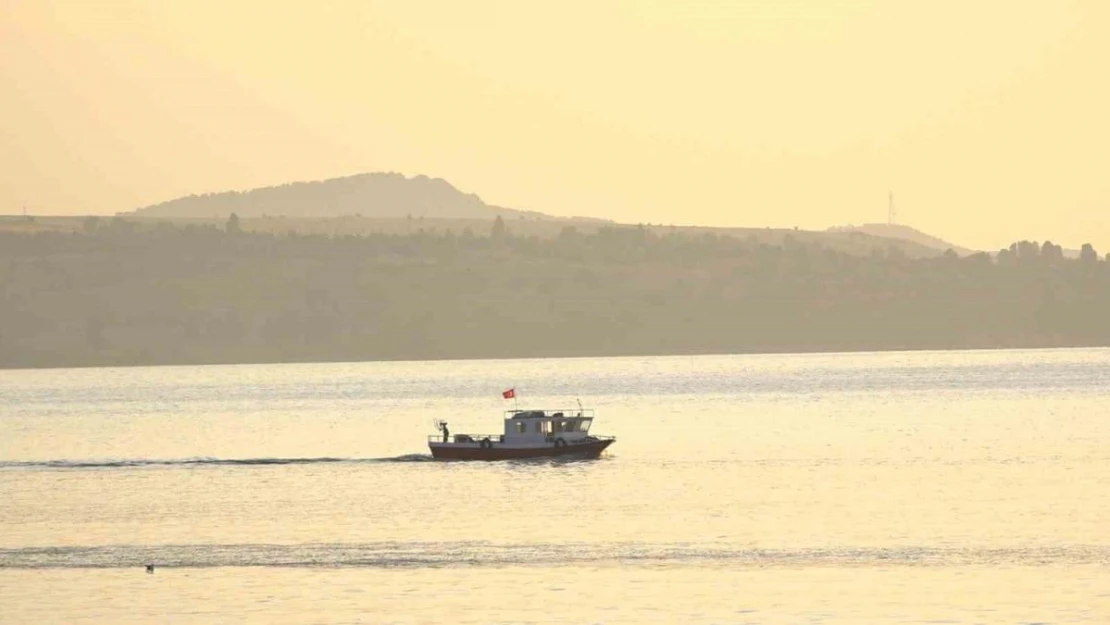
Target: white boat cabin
{"points": [[545, 426]]}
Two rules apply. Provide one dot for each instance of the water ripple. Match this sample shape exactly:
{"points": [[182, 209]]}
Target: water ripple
{"points": [[485, 554]]}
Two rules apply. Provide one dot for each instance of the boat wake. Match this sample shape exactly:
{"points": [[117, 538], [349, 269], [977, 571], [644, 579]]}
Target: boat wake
{"points": [[186, 462]]}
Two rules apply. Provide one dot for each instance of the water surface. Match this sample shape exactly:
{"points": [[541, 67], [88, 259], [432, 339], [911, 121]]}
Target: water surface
{"points": [[963, 487]]}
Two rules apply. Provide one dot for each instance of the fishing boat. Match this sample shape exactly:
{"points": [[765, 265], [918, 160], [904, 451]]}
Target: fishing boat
{"points": [[527, 434]]}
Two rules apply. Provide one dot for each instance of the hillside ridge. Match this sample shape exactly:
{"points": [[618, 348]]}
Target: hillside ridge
{"points": [[379, 194]]}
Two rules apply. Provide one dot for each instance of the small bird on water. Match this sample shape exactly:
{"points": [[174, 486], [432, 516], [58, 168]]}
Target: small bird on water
{"points": [[150, 568]]}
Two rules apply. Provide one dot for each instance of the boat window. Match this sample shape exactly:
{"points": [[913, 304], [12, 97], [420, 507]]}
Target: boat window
{"points": [[519, 427], [584, 425]]}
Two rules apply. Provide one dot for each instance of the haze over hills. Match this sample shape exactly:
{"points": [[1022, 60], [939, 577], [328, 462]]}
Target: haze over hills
{"points": [[381, 267], [367, 195], [903, 233], [907, 234], [546, 128], [393, 196]]}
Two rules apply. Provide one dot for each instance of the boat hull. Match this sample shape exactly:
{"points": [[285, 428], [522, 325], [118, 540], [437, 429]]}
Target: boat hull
{"points": [[457, 451]]}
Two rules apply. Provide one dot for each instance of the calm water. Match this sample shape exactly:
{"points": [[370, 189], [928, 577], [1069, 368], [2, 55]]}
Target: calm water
{"points": [[942, 487]]}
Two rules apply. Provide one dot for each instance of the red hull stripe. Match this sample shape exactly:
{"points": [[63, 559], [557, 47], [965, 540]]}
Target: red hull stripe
{"points": [[451, 452]]}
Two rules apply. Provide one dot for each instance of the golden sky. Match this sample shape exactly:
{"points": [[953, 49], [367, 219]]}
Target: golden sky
{"points": [[988, 119]]}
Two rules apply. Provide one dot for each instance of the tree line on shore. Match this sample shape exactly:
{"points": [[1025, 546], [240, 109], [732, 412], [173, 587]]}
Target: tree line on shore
{"points": [[119, 294]]}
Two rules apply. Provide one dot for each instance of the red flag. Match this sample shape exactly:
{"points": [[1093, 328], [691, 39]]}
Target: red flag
{"points": [[509, 394]]}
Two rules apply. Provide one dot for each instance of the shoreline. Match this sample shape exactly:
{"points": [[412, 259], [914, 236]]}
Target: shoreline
{"points": [[576, 356]]}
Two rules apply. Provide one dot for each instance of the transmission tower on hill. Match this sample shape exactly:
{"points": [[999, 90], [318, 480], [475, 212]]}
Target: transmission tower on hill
{"points": [[890, 215]]}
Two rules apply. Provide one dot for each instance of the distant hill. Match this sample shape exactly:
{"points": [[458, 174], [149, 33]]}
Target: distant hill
{"points": [[367, 195], [904, 233]]}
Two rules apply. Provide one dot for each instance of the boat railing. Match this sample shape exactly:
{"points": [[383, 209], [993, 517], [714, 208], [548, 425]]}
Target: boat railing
{"points": [[568, 413], [466, 438]]}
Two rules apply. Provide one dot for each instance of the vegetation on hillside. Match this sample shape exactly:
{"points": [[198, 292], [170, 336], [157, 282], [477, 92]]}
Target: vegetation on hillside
{"points": [[116, 293]]}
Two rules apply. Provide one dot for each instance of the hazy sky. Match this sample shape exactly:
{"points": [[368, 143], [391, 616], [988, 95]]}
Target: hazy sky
{"points": [[989, 120]]}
